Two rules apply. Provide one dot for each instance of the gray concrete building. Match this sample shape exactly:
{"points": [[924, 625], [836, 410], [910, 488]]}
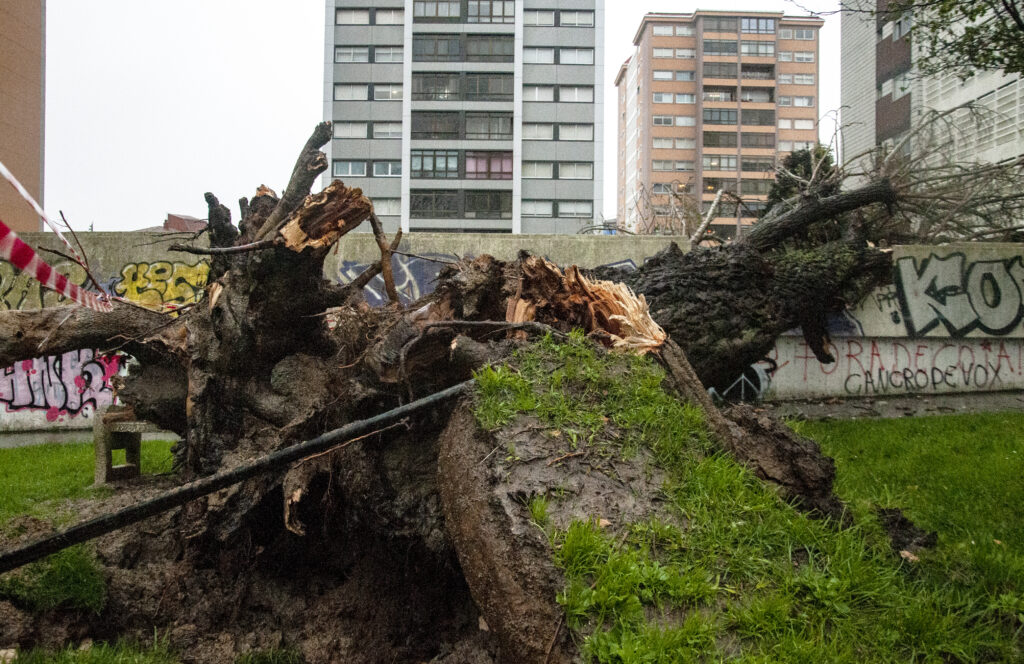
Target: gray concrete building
{"points": [[469, 115]]}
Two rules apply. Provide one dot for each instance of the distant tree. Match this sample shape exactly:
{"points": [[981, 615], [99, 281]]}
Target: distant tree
{"points": [[801, 170], [962, 37]]}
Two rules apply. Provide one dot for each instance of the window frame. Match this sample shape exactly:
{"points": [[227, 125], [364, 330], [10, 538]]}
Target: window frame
{"points": [[350, 162]]}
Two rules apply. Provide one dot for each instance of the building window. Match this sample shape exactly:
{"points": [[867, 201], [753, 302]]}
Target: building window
{"points": [[576, 56], [664, 53], [490, 87], [785, 123], [785, 56], [662, 97], [387, 207], [785, 33], [383, 54], [575, 132], [805, 102], [435, 87], [684, 166], [803, 124], [538, 209], [387, 92], [686, 98], [719, 162], [389, 17], [685, 76], [806, 34], [538, 93], [720, 70], [575, 170], [350, 129], [436, 10], [711, 185], [427, 125], [760, 49], [758, 164], [662, 30], [578, 209], [351, 54], [436, 48], [719, 116], [757, 187], [803, 79], [576, 93], [785, 101], [576, 19], [685, 31], [438, 204], [538, 17], [387, 169], [489, 48], [803, 56], [352, 16], [757, 72], [349, 168], [757, 95], [662, 120], [686, 144], [488, 126], [661, 165], [686, 53], [440, 164], [534, 131], [758, 117], [685, 121], [387, 129], [491, 11], [488, 165], [661, 143], [758, 140], [720, 24], [785, 146], [720, 139], [758, 26], [488, 204], [719, 47], [539, 56], [351, 92], [785, 79], [538, 170], [663, 75]]}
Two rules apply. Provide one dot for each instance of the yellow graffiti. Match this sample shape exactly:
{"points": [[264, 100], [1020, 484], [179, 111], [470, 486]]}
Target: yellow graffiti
{"points": [[162, 282]]}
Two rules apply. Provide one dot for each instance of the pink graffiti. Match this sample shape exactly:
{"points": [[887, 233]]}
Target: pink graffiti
{"points": [[61, 385]]}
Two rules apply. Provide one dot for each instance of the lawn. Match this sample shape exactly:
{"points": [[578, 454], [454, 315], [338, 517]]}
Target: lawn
{"points": [[38, 479], [960, 475]]}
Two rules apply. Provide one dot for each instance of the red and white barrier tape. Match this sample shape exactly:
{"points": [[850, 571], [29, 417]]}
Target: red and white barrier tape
{"points": [[24, 257]]}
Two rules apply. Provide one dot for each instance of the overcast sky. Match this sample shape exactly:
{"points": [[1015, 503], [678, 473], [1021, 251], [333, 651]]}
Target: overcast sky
{"points": [[150, 104]]}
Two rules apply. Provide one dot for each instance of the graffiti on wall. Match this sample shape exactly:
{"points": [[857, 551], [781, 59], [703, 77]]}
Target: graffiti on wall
{"points": [[63, 386], [960, 296]]}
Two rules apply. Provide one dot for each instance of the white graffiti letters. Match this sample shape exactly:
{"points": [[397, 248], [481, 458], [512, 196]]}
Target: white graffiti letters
{"points": [[984, 295]]}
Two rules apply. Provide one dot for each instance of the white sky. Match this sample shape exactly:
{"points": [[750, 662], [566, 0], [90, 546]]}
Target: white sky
{"points": [[151, 104]]}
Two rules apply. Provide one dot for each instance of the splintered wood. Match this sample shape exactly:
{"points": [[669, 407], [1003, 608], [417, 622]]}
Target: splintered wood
{"points": [[609, 311], [323, 218]]}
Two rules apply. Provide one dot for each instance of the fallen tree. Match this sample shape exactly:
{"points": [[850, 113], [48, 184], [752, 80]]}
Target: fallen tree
{"points": [[274, 355]]}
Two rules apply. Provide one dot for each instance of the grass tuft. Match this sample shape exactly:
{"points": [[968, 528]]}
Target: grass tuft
{"points": [[68, 579], [119, 653]]}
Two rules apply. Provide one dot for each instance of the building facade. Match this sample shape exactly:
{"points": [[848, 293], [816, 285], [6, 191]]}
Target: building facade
{"points": [[22, 93], [883, 95], [709, 101], [469, 115]]}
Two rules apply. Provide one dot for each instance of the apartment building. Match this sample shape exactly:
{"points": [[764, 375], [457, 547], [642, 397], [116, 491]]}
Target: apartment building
{"points": [[22, 93], [469, 115], [883, 95], [709, 101]]}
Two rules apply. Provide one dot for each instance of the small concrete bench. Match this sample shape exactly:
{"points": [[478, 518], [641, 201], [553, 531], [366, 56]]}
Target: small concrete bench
{"points": [[115, 428]]}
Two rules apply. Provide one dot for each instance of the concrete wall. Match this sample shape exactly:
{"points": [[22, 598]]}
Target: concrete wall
{"points": [[951, 320], [62, 391]]}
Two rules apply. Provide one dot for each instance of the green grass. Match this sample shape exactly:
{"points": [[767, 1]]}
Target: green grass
{"points": [[119, 653], [38, 478], [728, 572], [960, 475], [69, 578]]}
